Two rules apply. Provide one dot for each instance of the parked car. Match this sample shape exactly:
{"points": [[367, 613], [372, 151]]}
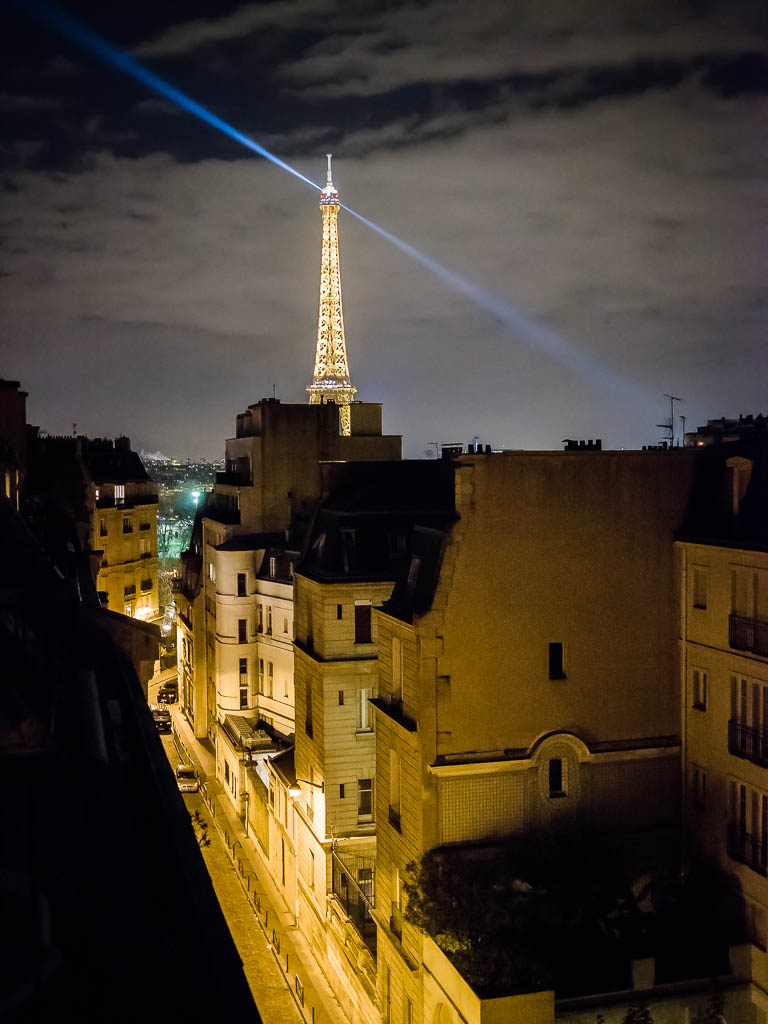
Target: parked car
{"points": [[168, 693], [161, 716], [187, 778]]}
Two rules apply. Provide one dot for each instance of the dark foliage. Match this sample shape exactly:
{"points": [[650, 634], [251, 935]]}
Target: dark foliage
{"points": [[560, 908]]}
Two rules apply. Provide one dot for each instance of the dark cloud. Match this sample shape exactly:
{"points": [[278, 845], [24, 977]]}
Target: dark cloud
{"points": [[597, 167]]}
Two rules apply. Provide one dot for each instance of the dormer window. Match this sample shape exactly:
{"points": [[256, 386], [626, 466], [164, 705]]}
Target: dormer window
{"points": [[739, 472], [119, 494]]}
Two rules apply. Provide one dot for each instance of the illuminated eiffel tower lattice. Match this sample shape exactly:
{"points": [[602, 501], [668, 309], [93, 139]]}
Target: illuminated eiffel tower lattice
{"points": [[330, 382]]}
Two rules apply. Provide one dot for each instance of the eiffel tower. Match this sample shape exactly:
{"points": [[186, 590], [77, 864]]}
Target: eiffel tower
{"points": [[330, 382]]}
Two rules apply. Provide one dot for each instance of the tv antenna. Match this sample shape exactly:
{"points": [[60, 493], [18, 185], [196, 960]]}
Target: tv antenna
{"points": [[671, 425]]}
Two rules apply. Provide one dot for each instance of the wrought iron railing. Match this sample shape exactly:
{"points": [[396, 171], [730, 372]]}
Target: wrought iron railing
{"points": [[748, 634], [353, 887], [748, 849], [749, 743]]}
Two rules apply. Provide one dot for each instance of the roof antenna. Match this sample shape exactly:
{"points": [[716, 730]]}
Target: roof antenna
{"points": [[273, 392]]}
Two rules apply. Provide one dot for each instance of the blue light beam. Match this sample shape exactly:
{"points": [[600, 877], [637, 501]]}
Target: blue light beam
{"points": [[64, 24], [543, 338]]}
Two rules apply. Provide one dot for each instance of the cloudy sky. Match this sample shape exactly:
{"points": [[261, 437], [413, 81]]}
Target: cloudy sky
{"points": [[592, 174]]}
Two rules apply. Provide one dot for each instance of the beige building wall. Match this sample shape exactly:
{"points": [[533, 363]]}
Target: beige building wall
{"points": [[124, 529], [474, 706], [725, 717]]}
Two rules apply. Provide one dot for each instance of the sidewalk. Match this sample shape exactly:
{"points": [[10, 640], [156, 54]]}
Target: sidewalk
{"points": [[314, 996]]}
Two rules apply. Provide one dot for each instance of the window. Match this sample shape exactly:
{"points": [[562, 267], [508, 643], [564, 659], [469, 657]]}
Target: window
{"points": [[700, 678], [698, 787], [740, 470], [270, 677], [127, 524], [394, 789], [556, 668], [212, 572], [341, 697], [146, 585], [243, 682], [349, 550], [226, 772], [341, 791], [260, 619], [397, 668], [556, 777], [242, 631], [102, 527], [272, 566], [364, 800], [130, 590], [339, 611], [364, 712], [96, 490], [413, 571], [285, 625], [128, 610], [269, 620], [362, 623], [308, 716], [119, 494], [241, 591], [396, 917], [144, 548], [699, 588], [145, 526], [408, 1012], [261, 675]]}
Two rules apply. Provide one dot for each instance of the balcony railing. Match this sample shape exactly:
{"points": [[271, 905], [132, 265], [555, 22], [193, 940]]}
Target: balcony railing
{"points": [[132, 501], [355, 893], [748, 849], [749, 743], [748, 634], [233, 479]]}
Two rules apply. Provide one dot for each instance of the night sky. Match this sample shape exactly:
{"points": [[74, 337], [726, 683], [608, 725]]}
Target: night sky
{"points": [[597, 167]]}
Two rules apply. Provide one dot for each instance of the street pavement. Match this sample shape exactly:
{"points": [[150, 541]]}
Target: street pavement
{"points": [[283, 974]]}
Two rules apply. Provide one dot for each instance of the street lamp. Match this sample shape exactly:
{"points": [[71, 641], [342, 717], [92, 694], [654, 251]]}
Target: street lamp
{"points": [[294, 789]]}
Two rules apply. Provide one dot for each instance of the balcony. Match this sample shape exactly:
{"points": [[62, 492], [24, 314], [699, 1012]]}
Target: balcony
{"points": [[748, 849], [353, 887], [230, 479], [751, 744], [748, 634], [132, 501]]}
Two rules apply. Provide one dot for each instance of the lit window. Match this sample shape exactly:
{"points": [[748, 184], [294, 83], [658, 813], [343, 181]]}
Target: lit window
{"points": [[413, 571], [364, 711], [272, 566], [119, 494]]}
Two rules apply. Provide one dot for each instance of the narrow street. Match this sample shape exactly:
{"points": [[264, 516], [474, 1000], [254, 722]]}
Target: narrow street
{"points": [[270, 992]]}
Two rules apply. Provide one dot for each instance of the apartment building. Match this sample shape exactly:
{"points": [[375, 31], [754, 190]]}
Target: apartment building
{"points": [[528, 661], [723, 548], [236, 593], [360, 542]]}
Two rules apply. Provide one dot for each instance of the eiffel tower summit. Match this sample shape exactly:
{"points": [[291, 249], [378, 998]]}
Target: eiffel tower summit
{"points": [[330, 382]]}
